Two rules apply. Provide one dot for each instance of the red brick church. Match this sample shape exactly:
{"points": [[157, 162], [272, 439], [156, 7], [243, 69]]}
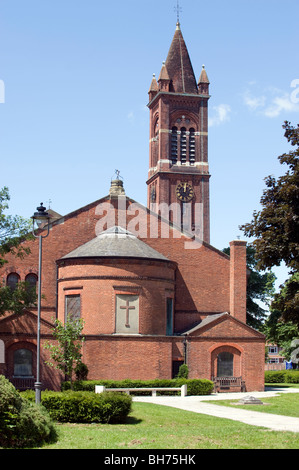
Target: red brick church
{"points": [[153, 293]]}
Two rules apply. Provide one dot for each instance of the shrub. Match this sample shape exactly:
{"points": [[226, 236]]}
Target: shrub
{"points": [[81, 371], [87, 407], [199, 387], [274, 376], [183, 372], [282, 376], [194, 386], [22, 423], [292, 376]]}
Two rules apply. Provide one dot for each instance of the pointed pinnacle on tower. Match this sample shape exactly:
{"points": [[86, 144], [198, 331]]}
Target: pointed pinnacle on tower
{"points": [[203, 82]]}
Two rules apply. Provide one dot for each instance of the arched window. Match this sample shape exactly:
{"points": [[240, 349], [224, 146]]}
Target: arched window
{"points": [[12, 280], [174, 145], [2, 352], [22, 363], [156, 128], [183, 145], [31, 281], [192, 146], [225, 364]]}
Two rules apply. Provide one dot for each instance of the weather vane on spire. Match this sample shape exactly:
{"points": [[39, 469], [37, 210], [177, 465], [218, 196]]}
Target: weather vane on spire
{"points": [[178, 9]]}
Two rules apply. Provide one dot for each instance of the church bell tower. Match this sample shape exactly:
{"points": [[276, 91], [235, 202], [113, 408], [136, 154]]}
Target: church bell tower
{"points": [[178, 153]]}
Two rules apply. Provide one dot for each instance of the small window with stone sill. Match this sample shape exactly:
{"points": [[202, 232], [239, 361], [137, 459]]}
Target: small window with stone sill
{"points": [[72, 307]]}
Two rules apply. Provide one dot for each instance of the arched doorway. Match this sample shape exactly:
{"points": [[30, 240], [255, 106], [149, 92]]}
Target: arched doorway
{"points": [[226, 361], [21, 365], [225, 364]]}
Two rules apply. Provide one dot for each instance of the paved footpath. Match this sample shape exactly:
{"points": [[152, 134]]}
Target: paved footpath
{"points": [[200, 404]]}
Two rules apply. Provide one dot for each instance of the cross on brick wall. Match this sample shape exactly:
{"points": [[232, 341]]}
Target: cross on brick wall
{"points": [[127, 308]]}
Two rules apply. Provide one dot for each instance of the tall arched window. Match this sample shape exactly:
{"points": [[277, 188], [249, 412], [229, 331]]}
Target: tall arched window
{"points": [[192, 146], [31, 280], [183, 145], [22, 363], [174, 145], [225, 364], [12, 280], [2, 352], [156, 128]]}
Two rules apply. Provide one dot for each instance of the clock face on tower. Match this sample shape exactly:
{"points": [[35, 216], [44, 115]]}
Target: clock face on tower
{"points": [[184, 192]]}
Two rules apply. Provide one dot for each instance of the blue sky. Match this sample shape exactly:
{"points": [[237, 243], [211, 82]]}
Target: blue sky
{"points": [[74, 78]]}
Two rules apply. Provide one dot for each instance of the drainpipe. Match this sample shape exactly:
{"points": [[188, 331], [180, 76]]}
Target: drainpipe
{"points": [[185, 350], [57, 291]]}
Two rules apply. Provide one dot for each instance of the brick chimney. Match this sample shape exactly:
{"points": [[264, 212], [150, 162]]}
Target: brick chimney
{"points": [[238, 279]]}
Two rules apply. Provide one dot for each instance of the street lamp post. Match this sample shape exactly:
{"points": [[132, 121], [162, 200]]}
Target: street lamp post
{"points": [[40, 218]]}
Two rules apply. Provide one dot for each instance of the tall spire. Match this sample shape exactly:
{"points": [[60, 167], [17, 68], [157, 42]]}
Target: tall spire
{"points": [[179, 67]]}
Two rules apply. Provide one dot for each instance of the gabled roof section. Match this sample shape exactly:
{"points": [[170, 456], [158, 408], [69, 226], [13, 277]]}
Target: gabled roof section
{"points": [[24, 322], [211, 321], [207, 321], [179, 67]]}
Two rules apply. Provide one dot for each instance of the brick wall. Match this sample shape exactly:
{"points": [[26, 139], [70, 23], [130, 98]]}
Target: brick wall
{"points": [[203, 281]]}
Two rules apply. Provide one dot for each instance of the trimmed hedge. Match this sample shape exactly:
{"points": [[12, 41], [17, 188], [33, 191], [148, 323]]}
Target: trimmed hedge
{"points": [[194, 386], [85, 407], [282, 376], [22, 423]]}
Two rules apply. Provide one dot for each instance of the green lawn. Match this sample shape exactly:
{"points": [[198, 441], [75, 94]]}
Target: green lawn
{"points": [[158, 427], [284, 404]]}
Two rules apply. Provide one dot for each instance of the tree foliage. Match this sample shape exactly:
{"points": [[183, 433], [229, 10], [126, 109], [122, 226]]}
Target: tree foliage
{"points": [[66, 352], [276, 226], [280, 332], [22, 423], [287, 300], [277, 331], [13, 231], [260, 290], [15, 300]]}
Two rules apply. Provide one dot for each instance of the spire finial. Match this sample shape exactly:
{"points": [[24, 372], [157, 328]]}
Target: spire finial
{"points": [[178, 9], [117, 175]]}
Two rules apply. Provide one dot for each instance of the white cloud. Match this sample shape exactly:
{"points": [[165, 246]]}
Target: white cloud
{"points": [[254, 102], [272, 102], [220, 115], [280, 104]]}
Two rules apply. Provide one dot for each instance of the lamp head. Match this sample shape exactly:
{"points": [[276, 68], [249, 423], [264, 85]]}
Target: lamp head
{"points": [[41, 217]]}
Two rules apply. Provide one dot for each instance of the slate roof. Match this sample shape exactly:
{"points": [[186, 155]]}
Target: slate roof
{"points": [[204, 322], [179, 67], [115, 242]]}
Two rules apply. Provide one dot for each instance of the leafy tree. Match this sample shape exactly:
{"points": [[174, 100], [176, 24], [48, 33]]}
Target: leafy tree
{"points": [[281, 333], [276, 225], [287, 301], [278, 331], [66, 353], [15, 300], [13, 231], [260, 289]]}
